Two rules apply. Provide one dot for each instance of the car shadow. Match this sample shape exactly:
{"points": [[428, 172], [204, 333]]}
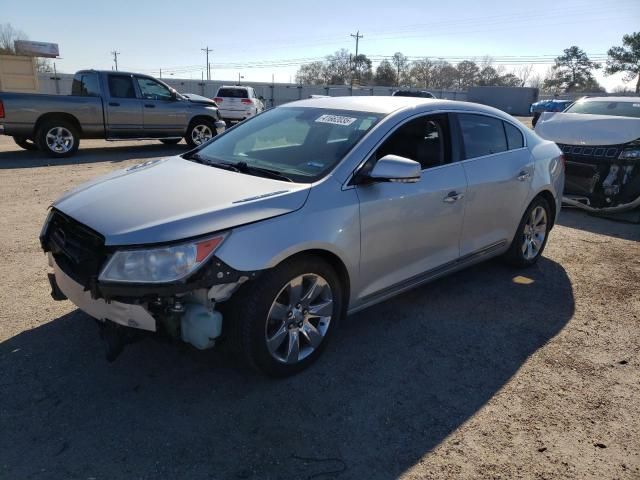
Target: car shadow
{"points": [[580, 220], [398, 379], [85, 155]]}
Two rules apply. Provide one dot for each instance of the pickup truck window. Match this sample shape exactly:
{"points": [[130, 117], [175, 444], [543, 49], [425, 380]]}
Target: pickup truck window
{"points": [[121, 86], [85, 85], [152, 90]]}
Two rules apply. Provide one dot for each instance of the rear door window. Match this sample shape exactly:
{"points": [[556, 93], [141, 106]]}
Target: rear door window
{"points": [[482, 135], [121, 86], [514, 136], [233, 93]]}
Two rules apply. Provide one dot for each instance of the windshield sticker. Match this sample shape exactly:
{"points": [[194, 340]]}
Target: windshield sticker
{"points": [[336, 120]]}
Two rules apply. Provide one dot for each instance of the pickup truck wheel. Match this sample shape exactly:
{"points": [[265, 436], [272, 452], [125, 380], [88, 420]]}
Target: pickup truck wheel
{"points": [[171, 141], [58, 138], [26, 143], [199, 132], [283, 320]]}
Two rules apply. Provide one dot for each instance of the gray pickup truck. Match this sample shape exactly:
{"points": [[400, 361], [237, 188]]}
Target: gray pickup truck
{"points": [[110, 105]]}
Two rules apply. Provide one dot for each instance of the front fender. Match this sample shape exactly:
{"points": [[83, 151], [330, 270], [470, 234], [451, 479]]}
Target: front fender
{"points": [[328, 222]]}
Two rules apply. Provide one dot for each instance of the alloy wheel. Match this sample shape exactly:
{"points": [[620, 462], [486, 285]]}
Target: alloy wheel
{"points": [[534, 233], [59, 140], [201, 134], [299, 318]]}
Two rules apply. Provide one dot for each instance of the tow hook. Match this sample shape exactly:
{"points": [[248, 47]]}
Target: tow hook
{"points": [[115, 338]]}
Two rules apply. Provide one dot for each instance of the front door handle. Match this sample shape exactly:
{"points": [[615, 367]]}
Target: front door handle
{"points": [[149, 105], [523, 175], [114, 104], [453, 197]]}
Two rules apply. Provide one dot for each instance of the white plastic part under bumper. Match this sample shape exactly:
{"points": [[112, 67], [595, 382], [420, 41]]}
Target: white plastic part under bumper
{"points": [[134, 316]]}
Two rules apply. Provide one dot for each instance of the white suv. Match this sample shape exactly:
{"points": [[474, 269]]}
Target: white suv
{"points": [[238, 103]]}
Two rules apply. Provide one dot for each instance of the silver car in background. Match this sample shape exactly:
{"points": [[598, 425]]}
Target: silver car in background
{"points": [[271, 233]]}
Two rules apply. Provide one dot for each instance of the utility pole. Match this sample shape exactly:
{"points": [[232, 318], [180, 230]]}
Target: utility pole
{"points": [[357, 36], [115, 58], [207, 50], [160, 73]]}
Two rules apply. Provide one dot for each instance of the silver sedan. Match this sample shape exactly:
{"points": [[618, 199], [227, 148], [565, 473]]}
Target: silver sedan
{"points": [[271, 233]]}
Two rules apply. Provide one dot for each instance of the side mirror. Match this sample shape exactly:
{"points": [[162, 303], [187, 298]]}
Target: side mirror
{"points": [[393, 168]]}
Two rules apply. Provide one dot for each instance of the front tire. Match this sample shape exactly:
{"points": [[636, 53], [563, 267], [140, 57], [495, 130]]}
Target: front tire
{"points": [[532, 235], [200, 131], [58, 138], [26, 143], [283, 321]]}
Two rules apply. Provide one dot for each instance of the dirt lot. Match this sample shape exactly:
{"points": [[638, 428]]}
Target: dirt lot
{"points": [[479, 375]]}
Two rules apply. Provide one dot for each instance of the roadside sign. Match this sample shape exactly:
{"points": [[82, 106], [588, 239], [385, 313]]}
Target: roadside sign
{"points": [[36, 49]]}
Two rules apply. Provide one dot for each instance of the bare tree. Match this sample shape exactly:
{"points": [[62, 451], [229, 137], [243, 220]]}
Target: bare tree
{"points": [[523, 73], [8, 36], [421, 72], [401, 63]]}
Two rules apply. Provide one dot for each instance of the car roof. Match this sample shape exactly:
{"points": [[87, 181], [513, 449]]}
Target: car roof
{"points": [[388, 104], [610, 99]]}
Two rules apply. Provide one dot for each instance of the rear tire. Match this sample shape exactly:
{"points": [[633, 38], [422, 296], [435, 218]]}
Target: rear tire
{"points": [[200, 131], [58, 138], [279, 332], [171, 141], [532, 235], [26, 143]]}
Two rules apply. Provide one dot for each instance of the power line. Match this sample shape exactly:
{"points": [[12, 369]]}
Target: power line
{"points": [[208, 67], [115, 58]]}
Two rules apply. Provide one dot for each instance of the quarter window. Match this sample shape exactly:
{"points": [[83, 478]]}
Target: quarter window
{"points": [[482, 135], [86, 85], [424, 140], [121, 86], [514, 136]]}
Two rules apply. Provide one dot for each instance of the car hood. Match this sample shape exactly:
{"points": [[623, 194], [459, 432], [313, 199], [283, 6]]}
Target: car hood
{"points": [[173, 199], [583, 129]]}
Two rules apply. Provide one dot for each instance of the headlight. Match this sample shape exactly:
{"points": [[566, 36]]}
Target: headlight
{"points": [[159, 265], [633, 154]]}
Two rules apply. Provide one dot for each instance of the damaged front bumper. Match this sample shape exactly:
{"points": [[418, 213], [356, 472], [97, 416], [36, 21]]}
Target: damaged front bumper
{"points": [[603, 179]]}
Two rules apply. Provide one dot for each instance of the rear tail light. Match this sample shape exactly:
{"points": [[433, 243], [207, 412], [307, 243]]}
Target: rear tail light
{"points": [[1, 109], [247, 101], [217, 100]]}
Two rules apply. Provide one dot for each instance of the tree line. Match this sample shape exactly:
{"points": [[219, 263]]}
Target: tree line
{"points": [[572, 71]]}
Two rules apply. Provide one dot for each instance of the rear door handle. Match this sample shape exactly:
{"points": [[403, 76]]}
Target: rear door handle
{"points": [[149, 105], [114, 104], [523, 175], [453, 197]]}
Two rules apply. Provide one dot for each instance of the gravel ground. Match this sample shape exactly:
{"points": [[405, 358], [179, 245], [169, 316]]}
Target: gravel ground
{"points": [[489, 373]]}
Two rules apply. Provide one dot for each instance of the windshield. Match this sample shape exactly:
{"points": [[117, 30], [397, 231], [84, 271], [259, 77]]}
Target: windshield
{"points": [[618, 109], [303, 144]]}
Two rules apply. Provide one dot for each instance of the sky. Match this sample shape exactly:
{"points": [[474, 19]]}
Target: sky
{"points": [[261, 40]]}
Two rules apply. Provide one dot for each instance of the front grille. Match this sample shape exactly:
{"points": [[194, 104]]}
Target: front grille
{"points": [[78, 250], [590, 152]]}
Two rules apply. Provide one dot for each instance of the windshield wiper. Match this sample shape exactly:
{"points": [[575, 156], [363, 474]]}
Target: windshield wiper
{"points": [[212, 163], [265, 172]]}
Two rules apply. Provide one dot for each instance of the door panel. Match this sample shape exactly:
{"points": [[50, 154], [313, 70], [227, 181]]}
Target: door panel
{"points": [[496, 198], [123, 108], [164, 116], [409, 228], [499, 170]]}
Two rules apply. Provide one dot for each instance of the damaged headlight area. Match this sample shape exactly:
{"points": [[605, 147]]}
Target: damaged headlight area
{"points": [[603, 178], [159, 265]]}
